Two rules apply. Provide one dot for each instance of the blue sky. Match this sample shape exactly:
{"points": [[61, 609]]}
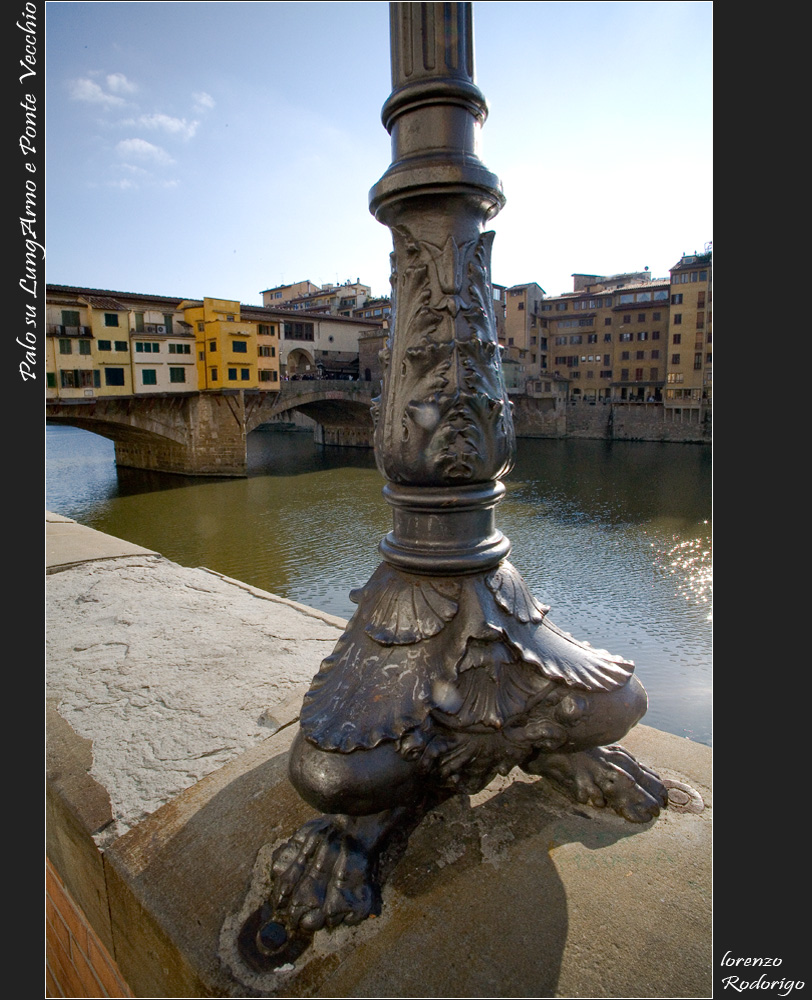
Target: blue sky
{"points": [[222, 148]]}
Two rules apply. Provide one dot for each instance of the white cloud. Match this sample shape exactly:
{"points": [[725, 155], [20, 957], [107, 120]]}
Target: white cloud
{"points": [[119, 84], [140, 149], [168, 124], [202, 101], [89, 91]]}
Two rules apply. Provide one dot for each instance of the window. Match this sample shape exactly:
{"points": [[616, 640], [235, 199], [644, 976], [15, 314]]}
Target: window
{"points": [[576, 338], [201, 355], [655, 315], [655, 334], [177, 374], [84, 347], [245, 374], [640, 355], [675, 359], [624, 355], [121, 345], [655, 355], [67, 379], [638, 374], [213, 374], [149, 376], [627, 297], [606, 359], [592, 338], [641, 317], [114, 376], [70, 318], [605, 374], [50, 380], [677, 319], [139, 322], [168, 322], [607, 321], [239, 346], [298, 331], [642, 335], [703, 275], [65, 346], [700, 320], [212, 345], [232, 374], [627, 318], [607, 338], [709, 358], [676, 300], [624, 374], [111, 319], [147, 347], [661, 294], [104, 345], [180, 349], [267, 376], [698, 362], [521, 305], [675, 376], [677, 338], [625, 337], [200, 326], [266, 352], [560, 340]]}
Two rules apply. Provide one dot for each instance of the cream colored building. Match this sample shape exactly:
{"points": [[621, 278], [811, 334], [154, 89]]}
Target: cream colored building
{"points": [[103, 343]]}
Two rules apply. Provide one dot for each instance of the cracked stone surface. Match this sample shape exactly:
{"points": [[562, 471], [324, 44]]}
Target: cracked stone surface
{"points": [[171, 671]]}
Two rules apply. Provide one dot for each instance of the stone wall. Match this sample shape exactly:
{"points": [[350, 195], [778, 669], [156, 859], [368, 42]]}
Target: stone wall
{"points": [[543, 418]]}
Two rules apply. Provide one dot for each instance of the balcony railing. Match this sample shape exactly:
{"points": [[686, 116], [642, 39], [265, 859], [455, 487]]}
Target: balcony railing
{"points": [[58, 330]]}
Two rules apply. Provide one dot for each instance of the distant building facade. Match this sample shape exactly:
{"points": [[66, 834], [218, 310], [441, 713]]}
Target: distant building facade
{"points": [[110, 343]]}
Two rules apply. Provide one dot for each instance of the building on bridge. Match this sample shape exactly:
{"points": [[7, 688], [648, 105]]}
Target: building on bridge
{"points": [[103, 343], [111, 343]]}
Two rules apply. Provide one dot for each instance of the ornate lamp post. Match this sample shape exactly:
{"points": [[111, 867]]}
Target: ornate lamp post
{"points": [[450, 671]]}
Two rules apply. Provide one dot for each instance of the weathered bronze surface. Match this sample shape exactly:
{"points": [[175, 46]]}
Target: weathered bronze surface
{"points": [[450, 671]]}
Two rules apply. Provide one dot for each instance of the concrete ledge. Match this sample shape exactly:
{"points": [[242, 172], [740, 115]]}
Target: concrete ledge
{"points": [[514, 893], [68, 543]]}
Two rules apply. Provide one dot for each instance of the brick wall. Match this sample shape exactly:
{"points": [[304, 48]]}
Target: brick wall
{"points": [[77, 964]]}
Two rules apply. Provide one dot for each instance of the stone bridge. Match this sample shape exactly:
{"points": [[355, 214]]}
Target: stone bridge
{"points": [[204, 433]]}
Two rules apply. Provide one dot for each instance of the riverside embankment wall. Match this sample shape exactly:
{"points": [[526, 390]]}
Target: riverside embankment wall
{"points": [[548, 418]]}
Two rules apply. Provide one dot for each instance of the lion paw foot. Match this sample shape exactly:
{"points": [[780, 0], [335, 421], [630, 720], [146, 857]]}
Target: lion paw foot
{"points": [[606, 777], [322, 878]]}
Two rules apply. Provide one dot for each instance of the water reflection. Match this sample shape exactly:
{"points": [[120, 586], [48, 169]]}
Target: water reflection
{"points": [[616, 537]]}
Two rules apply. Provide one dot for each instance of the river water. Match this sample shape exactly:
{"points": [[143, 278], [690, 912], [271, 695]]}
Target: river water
{"points": [[614, 536]]}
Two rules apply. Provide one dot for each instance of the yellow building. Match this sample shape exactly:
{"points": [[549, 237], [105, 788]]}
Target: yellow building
{"points": [[690, 342], [232, 350]]}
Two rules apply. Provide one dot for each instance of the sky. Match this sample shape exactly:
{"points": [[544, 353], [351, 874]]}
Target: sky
{"points": [[219, 149]]}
